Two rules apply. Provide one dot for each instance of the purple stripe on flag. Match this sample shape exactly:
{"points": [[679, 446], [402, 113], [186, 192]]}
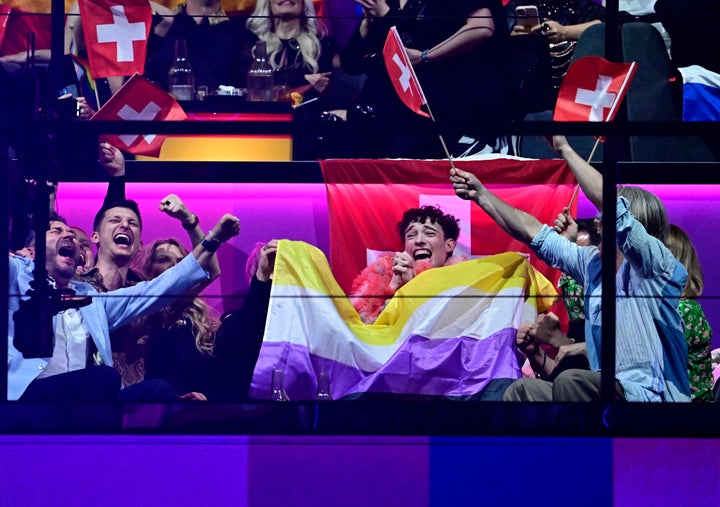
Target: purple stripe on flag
{"points": [[449, 367]]}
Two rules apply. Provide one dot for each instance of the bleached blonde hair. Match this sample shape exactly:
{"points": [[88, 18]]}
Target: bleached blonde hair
{"points": [[311, 31]]}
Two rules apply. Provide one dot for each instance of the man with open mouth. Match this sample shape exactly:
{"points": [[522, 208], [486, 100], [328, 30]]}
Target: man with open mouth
{"points": [[80, 366], [429, 237]]}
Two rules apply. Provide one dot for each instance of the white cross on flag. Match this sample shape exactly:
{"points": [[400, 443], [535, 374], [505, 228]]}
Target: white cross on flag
{"points": [[139, 100], [593, 89], [116, 34], [402, 74]]}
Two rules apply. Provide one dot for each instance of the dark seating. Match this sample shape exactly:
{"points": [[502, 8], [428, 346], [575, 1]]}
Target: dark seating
{"points": [[653, 97]]}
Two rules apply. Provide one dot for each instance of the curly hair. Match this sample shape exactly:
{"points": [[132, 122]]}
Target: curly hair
{"points": [[449, 223], [311, 31], [203, 318]]}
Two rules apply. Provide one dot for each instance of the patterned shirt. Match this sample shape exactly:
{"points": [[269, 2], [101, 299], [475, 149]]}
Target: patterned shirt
{"points": [[698, 336], [129, 347], [573, 296]]}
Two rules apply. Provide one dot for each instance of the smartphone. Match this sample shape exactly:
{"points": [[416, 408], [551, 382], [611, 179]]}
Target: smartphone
{"points": [[71, 90], [527, 16]]}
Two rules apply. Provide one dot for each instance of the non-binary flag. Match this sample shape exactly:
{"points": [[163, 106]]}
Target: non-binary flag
{"points": [[447, 332], [116, 34], [593, 89], [401, 73], [139, 100]]}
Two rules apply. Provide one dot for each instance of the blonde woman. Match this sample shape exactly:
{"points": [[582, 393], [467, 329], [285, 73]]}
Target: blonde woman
{"points": [[178, 341], [698, 333], [181, 337], [297, 47]]}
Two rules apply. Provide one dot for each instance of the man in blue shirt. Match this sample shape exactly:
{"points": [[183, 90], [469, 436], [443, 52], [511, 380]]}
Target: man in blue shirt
{"points": [[651, 363], [75, 372]]}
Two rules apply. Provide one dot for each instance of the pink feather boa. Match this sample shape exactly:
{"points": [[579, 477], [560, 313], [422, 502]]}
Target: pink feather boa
{"points": [[371, 288]]}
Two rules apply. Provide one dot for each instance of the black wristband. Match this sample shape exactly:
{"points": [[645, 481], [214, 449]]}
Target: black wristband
{"points": [[210, 243]]}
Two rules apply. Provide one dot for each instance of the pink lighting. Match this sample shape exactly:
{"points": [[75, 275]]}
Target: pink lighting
{"points": [[299, 212]]}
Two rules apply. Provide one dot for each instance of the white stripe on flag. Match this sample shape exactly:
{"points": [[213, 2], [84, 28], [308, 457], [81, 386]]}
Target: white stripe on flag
{"points": [[701, 94]]}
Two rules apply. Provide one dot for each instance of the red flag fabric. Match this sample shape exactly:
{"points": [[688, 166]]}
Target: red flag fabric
{"points": [[593, 89], [366, 200], [4, 18], [15, 27], [402, 74], [139, 99], [116, 35]]}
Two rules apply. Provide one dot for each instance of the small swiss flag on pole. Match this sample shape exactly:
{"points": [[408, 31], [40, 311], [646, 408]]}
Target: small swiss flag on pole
{"points": [[402, 74], [593, 89], [116, 34], [139, 100]]}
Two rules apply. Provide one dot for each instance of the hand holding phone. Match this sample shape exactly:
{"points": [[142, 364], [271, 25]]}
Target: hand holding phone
{"points": [[527, 16]]}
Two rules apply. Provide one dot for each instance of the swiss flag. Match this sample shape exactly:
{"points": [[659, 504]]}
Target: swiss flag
{"points": [[359, 225], [116, 34], [140, 100], [402, 74], [593, 89]]}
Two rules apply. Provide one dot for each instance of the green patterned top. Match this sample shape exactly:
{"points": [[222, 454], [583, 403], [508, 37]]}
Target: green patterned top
{"points": [[573, 296], [698, 335]]}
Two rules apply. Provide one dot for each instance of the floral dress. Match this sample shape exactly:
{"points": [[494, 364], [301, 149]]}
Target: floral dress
{"points": [[698, 335], [573, 296]]}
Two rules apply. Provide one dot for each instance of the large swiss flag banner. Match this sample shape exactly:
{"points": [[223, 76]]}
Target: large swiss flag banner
{"points": [[139, 100], [401, 73], [116, 34], [593, 89], [366, 200]]}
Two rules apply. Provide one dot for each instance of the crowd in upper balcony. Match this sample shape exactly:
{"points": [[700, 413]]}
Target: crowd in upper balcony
{"points": [[147, 335]]}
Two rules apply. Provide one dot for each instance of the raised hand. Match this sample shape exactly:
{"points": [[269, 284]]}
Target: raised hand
{"points": [[557, 143], [112, 160], [465, 184], [266, 263], [227, 227], [566, 226], [403, 270], [173, 206]]}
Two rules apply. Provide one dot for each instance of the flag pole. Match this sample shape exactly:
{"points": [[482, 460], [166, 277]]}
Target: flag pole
{"points": [[394, 34], [97, 96], [442, 140], [577, 187]]}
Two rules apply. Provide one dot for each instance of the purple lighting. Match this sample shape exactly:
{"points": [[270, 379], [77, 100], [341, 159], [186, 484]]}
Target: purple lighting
{"points": [[299, 212]]}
